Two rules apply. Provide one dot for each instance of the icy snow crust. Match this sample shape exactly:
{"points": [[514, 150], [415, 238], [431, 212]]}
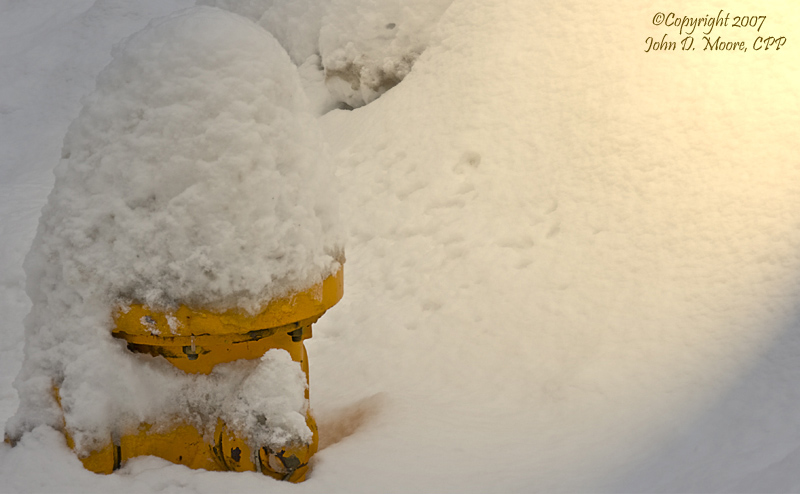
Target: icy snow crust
{"points": [[194, 175], [572, 267]]}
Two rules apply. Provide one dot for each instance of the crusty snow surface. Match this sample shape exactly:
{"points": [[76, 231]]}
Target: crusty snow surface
{"points": [[571, 265]]}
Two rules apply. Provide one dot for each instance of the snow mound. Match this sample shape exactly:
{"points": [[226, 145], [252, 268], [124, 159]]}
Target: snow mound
{"points": [[365, 47], [368, 47], [194, 175]]}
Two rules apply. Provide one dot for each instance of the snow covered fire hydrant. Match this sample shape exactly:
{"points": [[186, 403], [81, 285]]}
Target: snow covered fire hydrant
{"points": [[189, 243]]}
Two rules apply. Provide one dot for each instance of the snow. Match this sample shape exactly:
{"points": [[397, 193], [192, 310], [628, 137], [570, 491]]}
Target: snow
{"points": [[367, 46], [364, 47], [195, 170], [273, 393], [572, 265]]}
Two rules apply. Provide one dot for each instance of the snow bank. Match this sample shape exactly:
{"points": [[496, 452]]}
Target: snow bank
{"points": [[194, 175], [365, 47]]}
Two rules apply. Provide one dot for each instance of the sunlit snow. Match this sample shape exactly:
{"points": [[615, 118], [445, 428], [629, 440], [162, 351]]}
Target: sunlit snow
{"points": [[571, 265]]}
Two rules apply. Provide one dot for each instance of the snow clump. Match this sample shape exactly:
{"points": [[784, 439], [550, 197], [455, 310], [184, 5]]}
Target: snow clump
{"points": [[193, 175], [272, 395]]}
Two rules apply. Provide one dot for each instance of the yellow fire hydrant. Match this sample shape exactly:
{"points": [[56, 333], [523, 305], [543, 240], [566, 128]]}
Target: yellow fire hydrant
{"points": [[194, 341]]}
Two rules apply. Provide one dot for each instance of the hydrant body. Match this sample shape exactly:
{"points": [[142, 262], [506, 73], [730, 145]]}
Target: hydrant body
{"points": [[195, 340]]}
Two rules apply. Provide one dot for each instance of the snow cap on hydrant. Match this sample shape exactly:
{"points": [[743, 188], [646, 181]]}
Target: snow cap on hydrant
{"points": [[193, 179]]}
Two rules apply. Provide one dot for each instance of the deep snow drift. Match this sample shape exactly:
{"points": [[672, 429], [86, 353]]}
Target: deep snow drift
{"points": [[572, 266]]}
